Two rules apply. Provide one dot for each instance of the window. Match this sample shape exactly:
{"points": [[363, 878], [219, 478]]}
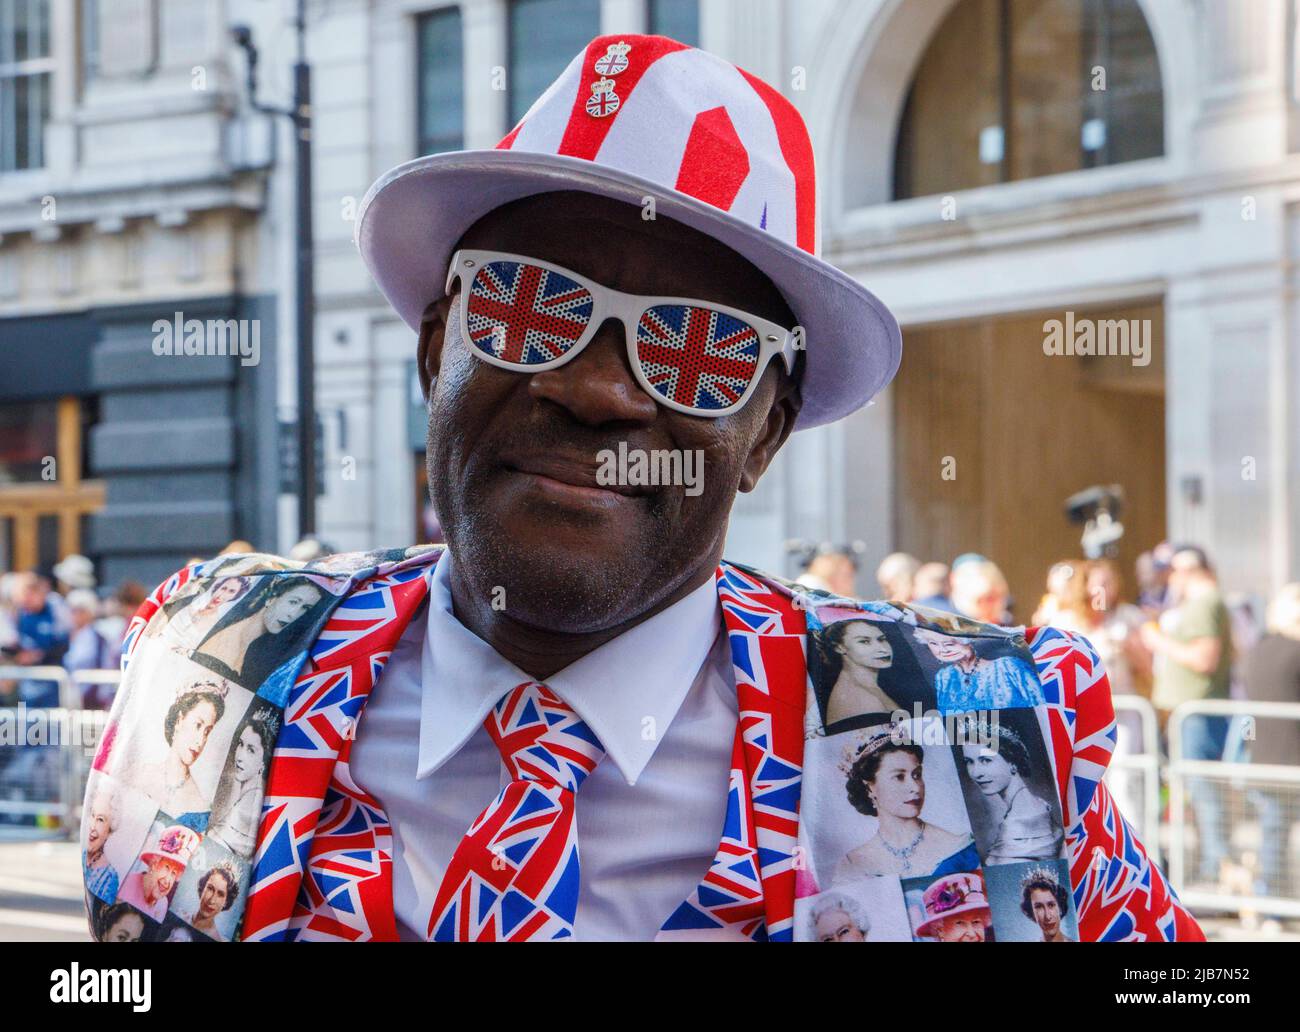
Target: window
{"points": [[25, 69], [43, 497], [544, 36], [441, 103], [1013, 89], [677, 19]]}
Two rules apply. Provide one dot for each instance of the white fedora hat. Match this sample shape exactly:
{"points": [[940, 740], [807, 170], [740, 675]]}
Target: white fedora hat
{"points": [[639, 117]]}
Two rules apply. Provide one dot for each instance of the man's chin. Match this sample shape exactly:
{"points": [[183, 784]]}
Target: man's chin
{"points": [[554, 582]]}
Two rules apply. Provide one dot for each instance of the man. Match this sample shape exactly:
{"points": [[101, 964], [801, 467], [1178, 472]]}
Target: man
{"points": [[149, 889], [1192, 646], [630, 274]]}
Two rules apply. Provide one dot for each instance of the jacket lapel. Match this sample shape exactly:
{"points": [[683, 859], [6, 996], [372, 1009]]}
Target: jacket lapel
{"points": [[324, 850], [748, 891]]}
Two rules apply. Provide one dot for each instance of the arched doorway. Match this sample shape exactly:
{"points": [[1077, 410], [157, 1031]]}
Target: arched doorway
{"points": [[991, 429]]}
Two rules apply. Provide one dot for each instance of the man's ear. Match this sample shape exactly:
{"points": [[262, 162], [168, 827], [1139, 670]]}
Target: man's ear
{"points": [[776, 428], [433, 327]]}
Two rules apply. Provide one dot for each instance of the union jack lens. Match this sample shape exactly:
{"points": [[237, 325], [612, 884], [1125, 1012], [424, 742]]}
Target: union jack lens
{"points": [[698, 357], [692, 357], [525, 314]]}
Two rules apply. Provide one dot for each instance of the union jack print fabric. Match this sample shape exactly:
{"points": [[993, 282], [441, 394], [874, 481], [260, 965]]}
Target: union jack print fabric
{"points": [[697, 356], [1119, 893], [748, 891], [524, 313], [515, 874], [321, 865]]}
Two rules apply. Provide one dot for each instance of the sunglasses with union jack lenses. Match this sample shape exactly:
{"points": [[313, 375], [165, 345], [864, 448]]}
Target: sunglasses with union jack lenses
{"points": [[696, 357]]}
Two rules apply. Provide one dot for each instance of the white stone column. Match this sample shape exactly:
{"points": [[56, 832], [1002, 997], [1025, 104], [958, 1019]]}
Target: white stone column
{"points": [[628, 16], [486, 110], [65, 49]]}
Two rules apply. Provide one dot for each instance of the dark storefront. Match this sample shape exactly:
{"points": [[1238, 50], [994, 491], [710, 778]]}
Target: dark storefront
{"points": [[140, 461]]}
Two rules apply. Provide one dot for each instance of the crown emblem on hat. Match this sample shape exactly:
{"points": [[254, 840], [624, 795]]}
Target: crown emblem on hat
{"points": [[603, 100], [615, 59]]}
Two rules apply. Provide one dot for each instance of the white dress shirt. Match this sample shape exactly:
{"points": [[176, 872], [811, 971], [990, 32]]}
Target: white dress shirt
{"points": [[661, 698]]}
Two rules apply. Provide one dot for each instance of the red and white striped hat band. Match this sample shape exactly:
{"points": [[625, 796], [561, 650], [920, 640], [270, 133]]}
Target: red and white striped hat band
{"points": [[645, 117], [687, 119]]}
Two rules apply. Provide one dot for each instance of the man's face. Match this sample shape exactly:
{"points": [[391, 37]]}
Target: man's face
{"points": [[513, 457]]}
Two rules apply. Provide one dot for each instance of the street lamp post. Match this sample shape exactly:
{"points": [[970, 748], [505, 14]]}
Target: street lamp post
{"points": [[299, 115]]}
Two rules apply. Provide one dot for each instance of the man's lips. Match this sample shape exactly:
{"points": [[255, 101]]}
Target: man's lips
{"points": [[568, 477]]}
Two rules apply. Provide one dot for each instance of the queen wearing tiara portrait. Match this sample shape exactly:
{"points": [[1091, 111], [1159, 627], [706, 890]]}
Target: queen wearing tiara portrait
{"points": [[188, 722], [885, 779], [1025, 826], [1045, 901]]}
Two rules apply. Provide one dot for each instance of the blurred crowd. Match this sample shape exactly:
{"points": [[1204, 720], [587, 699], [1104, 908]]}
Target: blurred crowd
{"points": [[65, 620], [1176, 639]]}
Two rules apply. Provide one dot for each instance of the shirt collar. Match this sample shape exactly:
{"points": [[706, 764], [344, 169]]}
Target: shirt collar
{"points": [[628, 690]]}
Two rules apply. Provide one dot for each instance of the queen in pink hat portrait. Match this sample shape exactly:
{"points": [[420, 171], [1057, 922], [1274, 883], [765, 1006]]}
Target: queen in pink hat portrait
{"points": [[161, 865], [576, 719], [955, 908]]}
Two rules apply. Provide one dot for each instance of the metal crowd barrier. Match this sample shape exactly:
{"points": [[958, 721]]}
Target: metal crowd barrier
{"points": [[46, 752], [1238, 794], [1133, 774]]}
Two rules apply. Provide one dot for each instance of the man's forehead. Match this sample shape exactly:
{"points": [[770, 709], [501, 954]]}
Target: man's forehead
{"points": [[627, 247]]}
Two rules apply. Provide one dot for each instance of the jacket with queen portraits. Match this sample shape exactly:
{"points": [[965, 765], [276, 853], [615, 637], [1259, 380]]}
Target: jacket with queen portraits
{"points": [[245, 680]]}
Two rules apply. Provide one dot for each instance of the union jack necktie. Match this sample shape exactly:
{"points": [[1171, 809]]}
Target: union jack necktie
{"points": [[514, 876]]}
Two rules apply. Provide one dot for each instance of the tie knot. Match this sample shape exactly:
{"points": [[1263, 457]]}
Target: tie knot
{"points": [[542, 739]]}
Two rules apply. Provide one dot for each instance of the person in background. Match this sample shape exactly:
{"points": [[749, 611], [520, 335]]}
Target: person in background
{"points": [[1271, 673], [1114, 627], [896, 576], [88, 648], [310, 549], [930, 587], [834, 569], [1192, 646], [1065, 602], [1152, 570], [74, 572], [8, 636], [42, 636], [128, 597], [979, 591]]}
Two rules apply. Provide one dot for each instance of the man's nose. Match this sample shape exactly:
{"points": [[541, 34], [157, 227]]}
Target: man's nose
{"points": [[598, 386]]}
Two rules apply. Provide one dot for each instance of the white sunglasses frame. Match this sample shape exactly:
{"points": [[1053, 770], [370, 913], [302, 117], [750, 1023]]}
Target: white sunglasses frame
{"points": [[608, 303]]}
